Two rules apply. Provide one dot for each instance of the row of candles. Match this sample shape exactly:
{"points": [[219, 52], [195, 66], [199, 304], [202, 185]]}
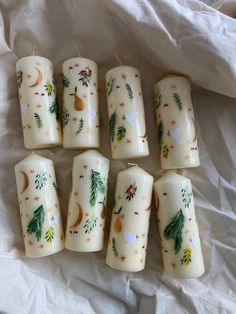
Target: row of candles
{"points": [[36, 184]]}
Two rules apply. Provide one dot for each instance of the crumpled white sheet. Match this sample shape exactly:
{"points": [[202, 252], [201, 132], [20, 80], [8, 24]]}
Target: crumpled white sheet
{"points": [[187, 36]]}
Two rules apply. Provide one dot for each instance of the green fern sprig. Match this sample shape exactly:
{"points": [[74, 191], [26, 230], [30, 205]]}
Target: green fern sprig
{"points": [[97, 186], [36, 223], [178, 101], [38, 119], [112, 126]]}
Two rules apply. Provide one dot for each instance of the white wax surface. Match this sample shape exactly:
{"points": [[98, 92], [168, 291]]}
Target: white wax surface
{"points": [[126, 113], [176, 123], [37, 95], [87, 205], [173, 193], [130, 220], [37, 191], [81, 128]]}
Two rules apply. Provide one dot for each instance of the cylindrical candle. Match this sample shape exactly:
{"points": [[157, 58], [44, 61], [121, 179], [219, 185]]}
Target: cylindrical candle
{"points": [[39, 206], [87, 205], [130, 220], [39, 110], [80, 104], [176, 123], [180, 242], [127, 126]]}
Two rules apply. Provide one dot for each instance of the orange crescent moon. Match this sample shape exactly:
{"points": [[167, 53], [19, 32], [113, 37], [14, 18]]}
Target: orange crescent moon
{"points": [[26, 181], [79, 218], [39, 78]]}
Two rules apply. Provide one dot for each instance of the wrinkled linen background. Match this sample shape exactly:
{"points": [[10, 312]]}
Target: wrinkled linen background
{"points": [[191, 37]]}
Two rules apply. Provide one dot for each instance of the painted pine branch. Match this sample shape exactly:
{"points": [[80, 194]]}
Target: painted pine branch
{"points": [[130, 91], [54, 109], [49, 236], [186, 196], [38, 119], [65, 82], [80, 126], [160, 132], [41, 179], [178, 101], [66, 117], [120, 133], [165, 151], [97, 186], [110, 86], [174, 230], [187, 258], [158, 98], [112, 126], [36, 223]]}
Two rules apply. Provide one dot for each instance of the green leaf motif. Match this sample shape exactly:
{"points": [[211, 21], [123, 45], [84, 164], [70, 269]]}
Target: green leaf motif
{"points": [[120, 133], [178, 101], [41, 179], [49, 88], [165, 151], [110, 86], [90, 224], [66, 117], [158, 98], [186, 196], [173, 230], [85, 76], [130, 91], [97, 186], [114, 249], [19, 78], [55, 187], [160, 132], [65, 82], [49, 235], [39, 122], [112, 126], [36, 223], [187, 258], [53, 109], [80, 126]]}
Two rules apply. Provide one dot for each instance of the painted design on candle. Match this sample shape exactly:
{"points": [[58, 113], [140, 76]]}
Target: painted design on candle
{"points": [[131, 191], [39, 78], [41, 179], [49, 236], [178, 101], [49, 88], [165, 151], [110, 86], [114, 249], [38, 120], [187, 257], [85, 76], [130, 238], [80, 126], [104, 210], [173, 231], [53, 109], [186, 196], [90, 224], [79, 218], [26, 182], [130, 91], [36, 223], [160, 131], [117, 223], [130, 117], [121, 131], [97, 186], [19, 78], [66, 117], [78, 102], [65, 82], [158, 98], [112, 126]]}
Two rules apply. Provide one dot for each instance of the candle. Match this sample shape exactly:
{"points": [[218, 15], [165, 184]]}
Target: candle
{"points": [[130, 220], [176, 123], [127, 126], [87, 205], [37, 94], [80, 104], [39, 206], [180, 243]]}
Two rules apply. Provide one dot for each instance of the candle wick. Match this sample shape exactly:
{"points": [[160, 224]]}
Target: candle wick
{"points": [[76, 48], [131, 164], [118, 59], [33, 52]]}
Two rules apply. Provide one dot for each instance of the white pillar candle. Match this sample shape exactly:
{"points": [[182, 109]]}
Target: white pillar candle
{"points": [[87, 205], [39, 206], [176, 123], [80, 104], [37, 94], [180, 242], [127, 126], [130, 220]]}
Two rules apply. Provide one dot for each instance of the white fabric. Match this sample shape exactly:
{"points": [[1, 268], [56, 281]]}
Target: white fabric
{"points": [[187, 36]]}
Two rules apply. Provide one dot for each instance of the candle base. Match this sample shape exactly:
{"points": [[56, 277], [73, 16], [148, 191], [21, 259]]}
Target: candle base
{"points": [[44, 254]]}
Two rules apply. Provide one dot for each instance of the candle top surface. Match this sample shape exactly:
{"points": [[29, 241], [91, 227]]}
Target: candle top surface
{"points": [[121, 68], [171, 175], [91, 154], [135, 170], [34, 58], [33, 158], [77, 59], [173, 77]]}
